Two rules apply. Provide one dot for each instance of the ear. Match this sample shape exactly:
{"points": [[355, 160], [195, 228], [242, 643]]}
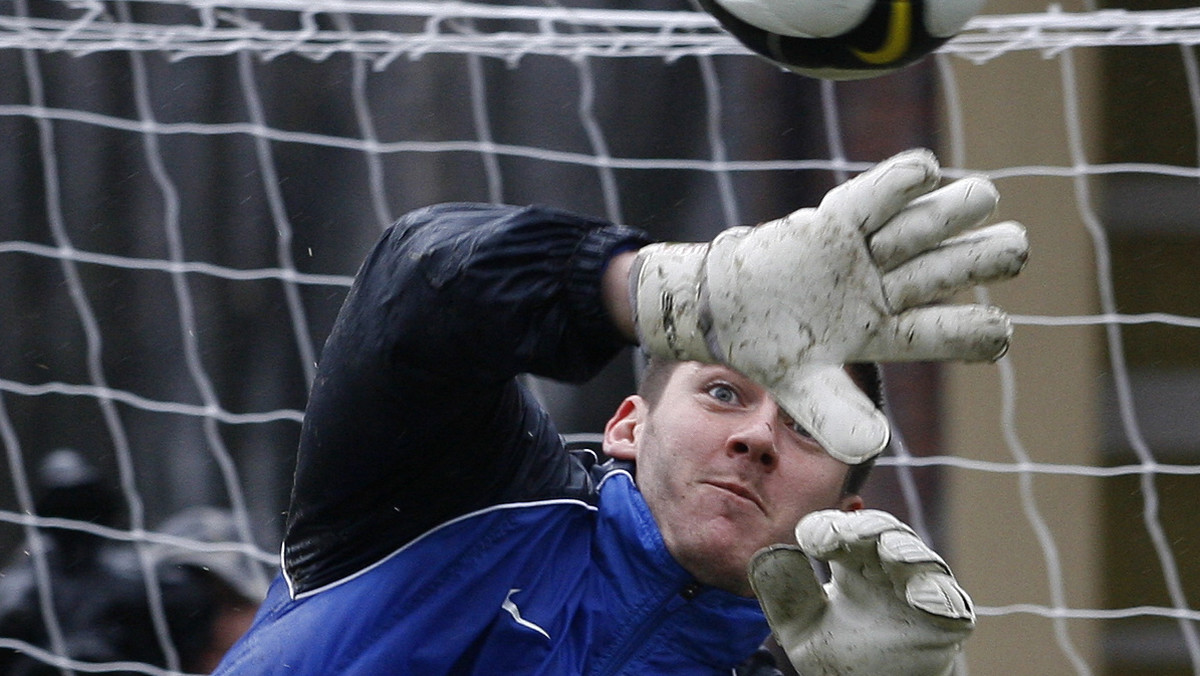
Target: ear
{"points": [[623, 429], [850, 502]]}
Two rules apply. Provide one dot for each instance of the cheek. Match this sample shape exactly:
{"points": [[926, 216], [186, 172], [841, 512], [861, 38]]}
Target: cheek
{"points": [[671, 451], [664, 477], [658, 468]]}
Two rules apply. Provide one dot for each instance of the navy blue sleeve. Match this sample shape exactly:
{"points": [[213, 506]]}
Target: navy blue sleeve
{"points": [[416, 414]]}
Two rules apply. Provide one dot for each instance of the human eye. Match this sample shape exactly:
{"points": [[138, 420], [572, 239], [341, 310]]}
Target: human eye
{"points": [[722, 392], [796, 427]]}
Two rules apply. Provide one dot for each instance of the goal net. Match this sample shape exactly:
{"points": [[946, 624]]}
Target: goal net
{"points": [[187, 187]]}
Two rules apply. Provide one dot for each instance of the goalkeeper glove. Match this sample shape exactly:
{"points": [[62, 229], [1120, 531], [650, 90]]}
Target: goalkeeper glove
{"points": [[891, 608], [788, 303]]}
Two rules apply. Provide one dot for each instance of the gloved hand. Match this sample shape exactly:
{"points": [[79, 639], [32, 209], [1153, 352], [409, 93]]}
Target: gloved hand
{"points": [[891, 607], [789, 302]]}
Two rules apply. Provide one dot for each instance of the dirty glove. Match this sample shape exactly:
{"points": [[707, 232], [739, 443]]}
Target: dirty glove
{"points": [[891, 608], [789, 302]]}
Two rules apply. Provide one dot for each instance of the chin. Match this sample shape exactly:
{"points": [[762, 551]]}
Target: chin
{"points": [[722, 564], [733, 581]]}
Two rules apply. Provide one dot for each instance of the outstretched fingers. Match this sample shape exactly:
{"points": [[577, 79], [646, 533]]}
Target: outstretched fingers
{"points": [[930, 219], [926, 579], [871, 552], [969, 333], [836, 535], [872, 198], [981, 256]]}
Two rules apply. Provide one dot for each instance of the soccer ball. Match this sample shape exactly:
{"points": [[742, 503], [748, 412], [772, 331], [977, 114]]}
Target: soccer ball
{"points": [[843, 39]]}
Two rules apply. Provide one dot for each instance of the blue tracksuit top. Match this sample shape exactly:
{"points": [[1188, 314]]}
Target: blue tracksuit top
{"points": [[438, 525]]}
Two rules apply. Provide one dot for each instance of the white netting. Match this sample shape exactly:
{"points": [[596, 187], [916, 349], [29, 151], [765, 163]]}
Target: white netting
{"points": [[420, 28], [188, 188]]}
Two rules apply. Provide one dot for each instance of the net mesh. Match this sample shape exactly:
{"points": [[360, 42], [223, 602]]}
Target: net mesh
{"points": [[188, 188]]}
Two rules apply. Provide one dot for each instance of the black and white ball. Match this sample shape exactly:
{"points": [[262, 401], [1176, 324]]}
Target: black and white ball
{"points": [[843, 39]]}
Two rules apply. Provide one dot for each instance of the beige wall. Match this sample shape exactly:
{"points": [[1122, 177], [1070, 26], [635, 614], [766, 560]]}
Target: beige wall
{"points": [[1013, 111]]}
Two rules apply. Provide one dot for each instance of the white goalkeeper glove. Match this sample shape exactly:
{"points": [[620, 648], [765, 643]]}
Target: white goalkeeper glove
{"points": [[891, 607], [788, 303]]}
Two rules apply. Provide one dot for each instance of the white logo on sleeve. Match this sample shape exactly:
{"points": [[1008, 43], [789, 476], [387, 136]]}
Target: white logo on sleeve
{"points": [[513, 610]]}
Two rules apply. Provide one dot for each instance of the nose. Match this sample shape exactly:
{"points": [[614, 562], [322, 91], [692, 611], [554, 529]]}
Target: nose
{"points": [[754, 439]]}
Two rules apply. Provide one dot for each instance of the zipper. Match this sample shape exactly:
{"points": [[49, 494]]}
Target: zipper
{"points": [[651, 624]]}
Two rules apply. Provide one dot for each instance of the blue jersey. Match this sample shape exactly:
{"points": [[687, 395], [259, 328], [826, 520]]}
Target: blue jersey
{"points": [[438, 525]]}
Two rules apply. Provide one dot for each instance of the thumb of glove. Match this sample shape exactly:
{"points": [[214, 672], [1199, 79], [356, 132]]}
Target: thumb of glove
{"points": [[826, 402], [787, 587]]}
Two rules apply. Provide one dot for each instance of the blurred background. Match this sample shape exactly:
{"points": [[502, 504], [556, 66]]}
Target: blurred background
{"points": [[186, 190]]}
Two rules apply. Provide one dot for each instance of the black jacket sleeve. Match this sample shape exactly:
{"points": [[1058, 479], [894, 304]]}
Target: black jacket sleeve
{"points": [[417, 414]]}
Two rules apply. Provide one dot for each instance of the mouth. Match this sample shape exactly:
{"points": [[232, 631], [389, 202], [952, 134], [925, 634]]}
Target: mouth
{"points": [[740, 491]]}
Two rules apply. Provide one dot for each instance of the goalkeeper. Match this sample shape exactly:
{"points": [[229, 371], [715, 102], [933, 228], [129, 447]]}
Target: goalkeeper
{"points": [[439, 526]]}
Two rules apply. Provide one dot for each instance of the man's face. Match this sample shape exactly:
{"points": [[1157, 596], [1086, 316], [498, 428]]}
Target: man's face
{"points": [[723, 469]]}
